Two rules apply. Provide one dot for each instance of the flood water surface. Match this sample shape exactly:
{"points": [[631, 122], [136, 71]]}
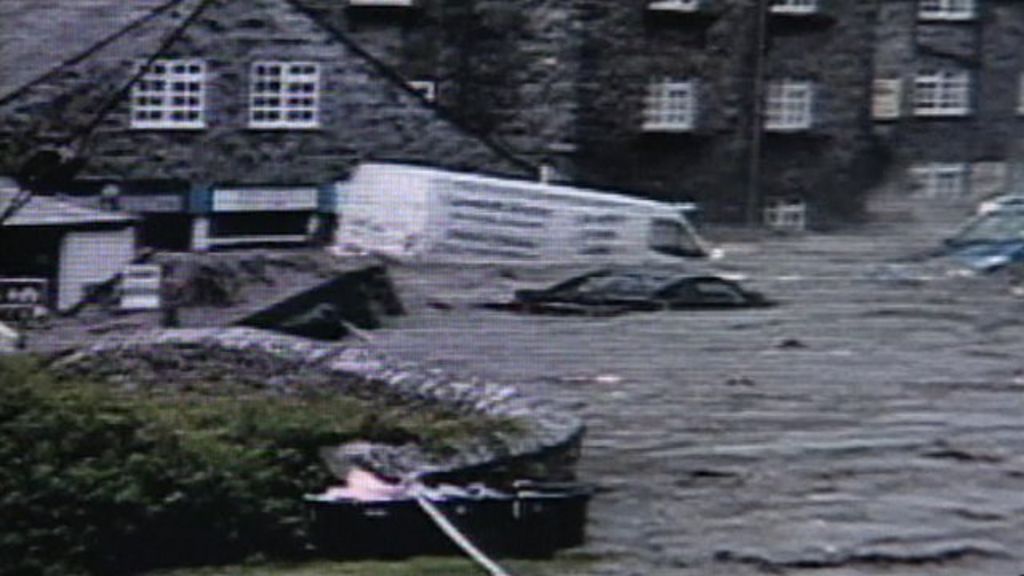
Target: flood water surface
{"points": [[873, 423]]}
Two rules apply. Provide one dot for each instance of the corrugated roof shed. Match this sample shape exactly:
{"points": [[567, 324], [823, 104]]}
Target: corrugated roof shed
{"points": [[37, 36]]}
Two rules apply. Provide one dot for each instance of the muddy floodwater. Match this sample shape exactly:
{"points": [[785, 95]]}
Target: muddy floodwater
{"points": [[871, 424]]}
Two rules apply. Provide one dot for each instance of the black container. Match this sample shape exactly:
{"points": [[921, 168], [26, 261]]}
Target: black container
{"points": [[529, 523]]}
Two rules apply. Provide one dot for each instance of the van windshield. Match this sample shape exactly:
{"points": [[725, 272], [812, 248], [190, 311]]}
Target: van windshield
{"points": [[674, 237]]}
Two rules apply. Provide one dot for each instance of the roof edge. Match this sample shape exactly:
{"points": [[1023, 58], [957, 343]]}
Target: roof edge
{"points": [[394, 77], [85, 54]]}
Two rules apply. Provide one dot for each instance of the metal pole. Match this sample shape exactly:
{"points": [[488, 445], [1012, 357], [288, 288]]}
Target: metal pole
{"points": [[418, 492], [757, 115], [16, 202]]}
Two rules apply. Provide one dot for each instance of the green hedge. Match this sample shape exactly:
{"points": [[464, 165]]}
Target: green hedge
{"points": [[97, 481]]}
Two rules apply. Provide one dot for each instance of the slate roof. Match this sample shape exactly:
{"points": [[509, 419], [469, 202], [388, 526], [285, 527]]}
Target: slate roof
{"points": [[56, 50], [37, 36]]}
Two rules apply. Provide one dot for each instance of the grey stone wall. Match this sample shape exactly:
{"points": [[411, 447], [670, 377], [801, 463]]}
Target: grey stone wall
{"points": [[827, 164], [365, 112], [564, 81], [544, 445], [504, 68], [989, 47]]}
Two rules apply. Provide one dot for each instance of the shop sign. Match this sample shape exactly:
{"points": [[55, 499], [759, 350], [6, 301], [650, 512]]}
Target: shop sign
{"points": [[264, 199]]}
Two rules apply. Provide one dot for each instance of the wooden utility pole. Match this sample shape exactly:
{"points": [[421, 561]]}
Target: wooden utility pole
{"points": [[757, 114]]}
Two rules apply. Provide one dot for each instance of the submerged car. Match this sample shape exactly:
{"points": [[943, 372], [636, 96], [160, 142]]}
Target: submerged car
{"points": [[1000, 202], [990, 241], [614, 291]]}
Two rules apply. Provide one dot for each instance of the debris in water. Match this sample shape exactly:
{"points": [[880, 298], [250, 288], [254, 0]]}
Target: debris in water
{"points": [[944, 450], [740, 381], [790, 344]]}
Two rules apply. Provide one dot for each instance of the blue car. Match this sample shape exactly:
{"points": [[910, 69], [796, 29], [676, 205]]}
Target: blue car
{"points": [[991, 240]]}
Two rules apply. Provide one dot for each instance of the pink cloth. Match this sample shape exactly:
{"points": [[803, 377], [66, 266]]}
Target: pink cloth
{"points": [[364, 486]]}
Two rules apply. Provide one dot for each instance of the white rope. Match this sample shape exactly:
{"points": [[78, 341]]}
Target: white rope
{"points": [[452, 532]]}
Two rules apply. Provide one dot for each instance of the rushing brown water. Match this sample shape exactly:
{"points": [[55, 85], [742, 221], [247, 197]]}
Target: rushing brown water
{"points": [[871, 424]]}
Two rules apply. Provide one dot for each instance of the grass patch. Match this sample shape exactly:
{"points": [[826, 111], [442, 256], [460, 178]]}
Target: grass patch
{"points": [[97, 480]]}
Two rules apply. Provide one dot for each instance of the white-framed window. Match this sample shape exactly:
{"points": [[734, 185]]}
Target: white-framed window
{"points": [[789, 105], [946, 9], [670, 106], [425, 88], [169, 95], [674, 5], [284, 95], [940, 180], [794, 6], [1020, 94], [887, 98], [788, 213], [945, 93]]}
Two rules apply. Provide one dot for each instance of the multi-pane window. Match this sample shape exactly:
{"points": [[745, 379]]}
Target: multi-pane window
{"points": [[945, 9], [945, 93], [284, 95], [940, 180], [670, 106], [786, 213], [887, 98], [789, 105], [1020, 94], [794, 6], [674, 5], [169, 94]]}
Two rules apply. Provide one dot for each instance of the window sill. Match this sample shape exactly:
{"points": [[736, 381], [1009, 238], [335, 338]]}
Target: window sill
{"points": [[777, 11], [674, 7], [943, 114], [787, 129], [389, 4], [657, 12], [651, 128], [947, 19], [168, 128], [252, 128]]}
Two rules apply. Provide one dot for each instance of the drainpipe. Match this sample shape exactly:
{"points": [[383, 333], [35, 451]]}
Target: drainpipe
{"points": [[757, 117]]}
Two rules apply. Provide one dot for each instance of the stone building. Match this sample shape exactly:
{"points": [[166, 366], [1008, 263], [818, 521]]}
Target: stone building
{"points": [[654, 96], [239, 113], [949, 99], [742, 105]]}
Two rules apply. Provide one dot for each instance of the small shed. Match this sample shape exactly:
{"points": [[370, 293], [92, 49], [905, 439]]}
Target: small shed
{"points": [[71, 247]]}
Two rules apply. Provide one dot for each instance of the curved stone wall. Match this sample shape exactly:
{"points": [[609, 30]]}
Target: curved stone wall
{"points": [[544, 444]]}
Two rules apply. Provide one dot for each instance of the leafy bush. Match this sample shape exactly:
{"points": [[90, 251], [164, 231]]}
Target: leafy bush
{"points": [[97, 481]]}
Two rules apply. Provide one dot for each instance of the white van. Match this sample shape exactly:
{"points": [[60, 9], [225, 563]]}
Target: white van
{"points": [[425, 214]]}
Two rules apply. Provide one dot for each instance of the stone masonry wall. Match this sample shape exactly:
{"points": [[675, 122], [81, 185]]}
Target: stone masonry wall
{"points": [[625, 48], [544, 444], [564, 82], [988, 140], [365, 112], [505, 68]]}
